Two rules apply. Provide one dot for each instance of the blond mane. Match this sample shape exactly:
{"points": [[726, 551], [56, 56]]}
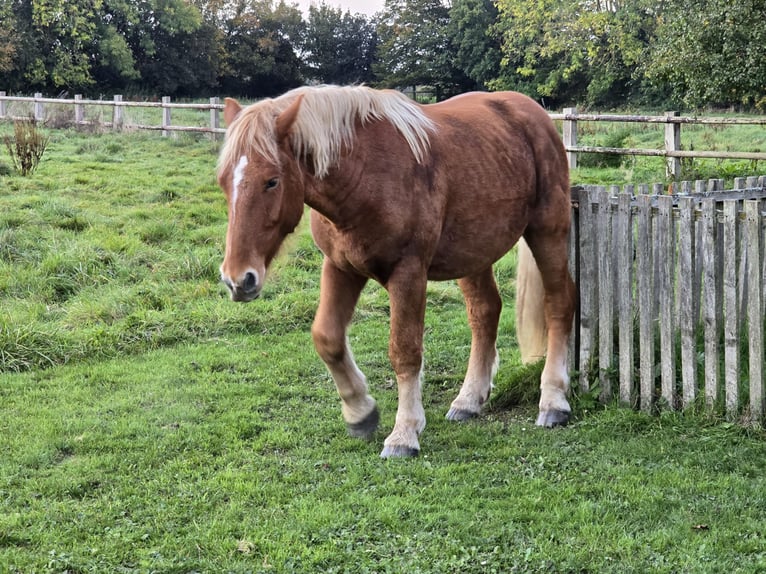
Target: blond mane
{"points": [[325, 124]]}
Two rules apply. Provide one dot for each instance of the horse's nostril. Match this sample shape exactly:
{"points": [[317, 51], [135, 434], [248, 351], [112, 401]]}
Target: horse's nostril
{"points": [[249, 281]]}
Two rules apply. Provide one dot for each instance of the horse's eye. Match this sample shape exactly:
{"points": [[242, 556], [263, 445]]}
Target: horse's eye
{"points": [[272, 183]]}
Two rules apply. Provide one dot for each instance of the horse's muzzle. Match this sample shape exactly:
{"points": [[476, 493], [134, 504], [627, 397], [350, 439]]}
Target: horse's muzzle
{"points": [[245, 289]]}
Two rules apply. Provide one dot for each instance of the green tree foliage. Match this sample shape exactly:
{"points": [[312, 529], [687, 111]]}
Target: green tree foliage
{"points": [[339, 47], [477, 46], [564, 50], [8, 38], [597, 53], [55, 42], [261, 41], [416, 49], [712, 52]]}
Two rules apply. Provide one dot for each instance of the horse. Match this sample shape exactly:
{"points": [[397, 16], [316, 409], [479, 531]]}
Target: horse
{"points": [[403, 193]]}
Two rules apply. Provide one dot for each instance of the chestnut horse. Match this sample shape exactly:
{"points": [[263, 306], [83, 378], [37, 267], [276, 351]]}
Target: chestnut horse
{"points": [[402, 193]]}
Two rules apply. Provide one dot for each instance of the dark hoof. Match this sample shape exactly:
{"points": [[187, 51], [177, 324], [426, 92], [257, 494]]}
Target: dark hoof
{"points": [[399, 451], [552, 418], [365, 427], [460, 415]]}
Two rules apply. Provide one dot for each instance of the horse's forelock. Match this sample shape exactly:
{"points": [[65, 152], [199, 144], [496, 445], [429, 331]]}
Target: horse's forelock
{"points": [[324, 125], [252, 133]]}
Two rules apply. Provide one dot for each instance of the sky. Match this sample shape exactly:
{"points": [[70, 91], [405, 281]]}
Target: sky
{"points": [[367, 7]]}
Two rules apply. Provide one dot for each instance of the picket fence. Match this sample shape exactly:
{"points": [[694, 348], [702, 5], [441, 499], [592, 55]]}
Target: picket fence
{"points": [[671, 285]]}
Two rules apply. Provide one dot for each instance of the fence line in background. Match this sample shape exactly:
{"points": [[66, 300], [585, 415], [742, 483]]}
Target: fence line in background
{"points": [[672, 294], [118, 106], [570, 118]]}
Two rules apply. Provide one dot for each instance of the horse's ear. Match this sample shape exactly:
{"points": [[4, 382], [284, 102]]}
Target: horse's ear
{"points": [[231, 109], [286, 119]]}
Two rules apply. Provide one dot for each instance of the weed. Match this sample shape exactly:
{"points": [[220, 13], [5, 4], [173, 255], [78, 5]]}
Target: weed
{"points": [[27, 146]]}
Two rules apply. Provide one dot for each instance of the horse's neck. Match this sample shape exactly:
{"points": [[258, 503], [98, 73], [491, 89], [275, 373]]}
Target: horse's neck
{"points": [[330, 196]]}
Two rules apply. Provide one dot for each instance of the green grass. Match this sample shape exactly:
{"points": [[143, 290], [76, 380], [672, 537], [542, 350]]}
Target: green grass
{"points": [[148, 424]]}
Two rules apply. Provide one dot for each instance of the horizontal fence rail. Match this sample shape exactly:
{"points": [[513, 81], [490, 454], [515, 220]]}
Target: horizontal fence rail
{"points": [[672, 291], [36, 108]]}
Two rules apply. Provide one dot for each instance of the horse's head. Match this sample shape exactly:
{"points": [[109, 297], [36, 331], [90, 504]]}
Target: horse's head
{"points": [[264, 190]]}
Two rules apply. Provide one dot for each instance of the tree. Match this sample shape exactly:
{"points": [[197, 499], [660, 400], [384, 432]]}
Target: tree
{"points": [[55, 37], [568, 51], [711, 52], [261, 45], [8, 38], [471, 28], [415, 47], [339, 47]]}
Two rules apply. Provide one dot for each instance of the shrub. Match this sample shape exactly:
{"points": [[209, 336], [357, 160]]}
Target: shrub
{"points": [[27, 146]]}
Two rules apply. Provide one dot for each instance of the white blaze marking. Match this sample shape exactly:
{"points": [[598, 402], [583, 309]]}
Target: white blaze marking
{"points": [[239, 174]]}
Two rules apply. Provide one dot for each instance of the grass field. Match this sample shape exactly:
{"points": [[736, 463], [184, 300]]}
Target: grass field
{"points": [[148, 424]]}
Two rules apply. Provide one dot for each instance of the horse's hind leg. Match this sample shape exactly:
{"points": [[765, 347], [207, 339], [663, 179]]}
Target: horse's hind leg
{"points": [[339, 292], [483, 305], [550, 251]]}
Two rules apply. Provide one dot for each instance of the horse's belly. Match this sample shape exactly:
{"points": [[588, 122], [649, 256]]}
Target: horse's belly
{"points": [[460, 256]]}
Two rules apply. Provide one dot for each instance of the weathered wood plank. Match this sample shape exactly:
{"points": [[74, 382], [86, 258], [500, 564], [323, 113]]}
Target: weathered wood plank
{"points": [[731, 305], [588, 288], [605, 294], [752, 210], [666, 279], [687, 322], [646, 322], [625, 296], [711, 311]]}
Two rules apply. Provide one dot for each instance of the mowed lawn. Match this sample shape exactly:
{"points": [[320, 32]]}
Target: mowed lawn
{"points": [[148, 424]]}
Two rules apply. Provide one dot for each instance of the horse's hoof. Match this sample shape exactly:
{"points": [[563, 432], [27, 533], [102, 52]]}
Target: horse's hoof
{"points": [[460, 414], [365, 427], [399, 451], [553, 418]]}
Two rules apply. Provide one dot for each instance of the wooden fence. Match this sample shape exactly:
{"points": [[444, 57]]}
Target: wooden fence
{"points": [[671, 295], [672, 122], [211, 124], [40, 109]]}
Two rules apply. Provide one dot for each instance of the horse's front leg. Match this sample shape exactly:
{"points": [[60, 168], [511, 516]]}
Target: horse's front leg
{"points": [[338, 294], [483, 305], [407, 293]]}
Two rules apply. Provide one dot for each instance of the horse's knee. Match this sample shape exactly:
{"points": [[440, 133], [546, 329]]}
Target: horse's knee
{"points": [[405, 358], [330, 346]]}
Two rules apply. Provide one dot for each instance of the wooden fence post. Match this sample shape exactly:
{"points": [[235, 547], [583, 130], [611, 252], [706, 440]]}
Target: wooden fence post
{"points": [[3, 106], [166, 116], [39, 108], [79, 112], [215, 118], [673, 143], [569, 133], [117, 113]]}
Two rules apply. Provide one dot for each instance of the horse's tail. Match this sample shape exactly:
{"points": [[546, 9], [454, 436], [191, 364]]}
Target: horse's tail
{"points": [[531, 331]]}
